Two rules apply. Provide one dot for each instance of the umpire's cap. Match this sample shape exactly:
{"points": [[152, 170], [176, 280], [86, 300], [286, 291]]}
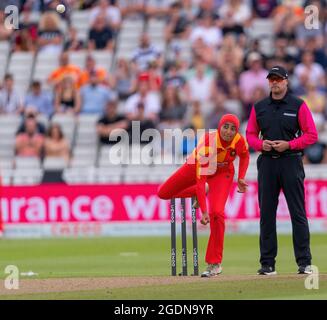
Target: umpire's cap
{"points": [[278, 71]]}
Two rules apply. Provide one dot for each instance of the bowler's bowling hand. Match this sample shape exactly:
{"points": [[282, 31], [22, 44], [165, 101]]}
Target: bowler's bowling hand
{"points": [[267, 145], [205, 218], [242, 185], [281, 145]]}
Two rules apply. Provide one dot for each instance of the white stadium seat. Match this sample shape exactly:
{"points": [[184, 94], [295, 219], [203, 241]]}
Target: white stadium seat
{"points": [[27, 163], [54, 163]]}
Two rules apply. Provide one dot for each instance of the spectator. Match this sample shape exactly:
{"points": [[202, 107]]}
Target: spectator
{"points": [[26, 37], [10, 99], [281, 56], [144, 122], [145, 54], [95, 96], [309, 71], [90, 66], [5, 33], [110, 121], [226, 82], [144, 103], [67, 98], [73, 43], [194, 116], [174, 76], [320, 56], [203, 51], [40, 99], [177, 22], [101, 36], [316, 101], [123, 79], [317, 153], [172, 109], [55, 144], [153, 75], [230, 54], [251, 79], [31, 112], [207, 31], [287, 16], [258, 94], [50, 37], [207, 6], [111, 11], [132, 8], [218, 111], [29, 143], [263, 8], [226, 86], [235, 15], [64, 69], [199, 84], [87, 4]]}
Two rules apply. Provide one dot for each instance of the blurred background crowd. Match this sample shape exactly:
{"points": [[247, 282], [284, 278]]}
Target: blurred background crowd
{"points": [[72, 78]]}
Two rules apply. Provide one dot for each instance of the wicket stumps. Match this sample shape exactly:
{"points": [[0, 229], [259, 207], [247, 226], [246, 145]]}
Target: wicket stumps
{"points": [[184, 239]]}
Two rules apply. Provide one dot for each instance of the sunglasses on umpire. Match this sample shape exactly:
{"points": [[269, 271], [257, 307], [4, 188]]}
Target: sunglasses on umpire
{"points": [[273, 79]]}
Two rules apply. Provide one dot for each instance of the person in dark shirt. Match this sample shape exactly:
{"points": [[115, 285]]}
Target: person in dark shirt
{"points": [[31, 114], [110, 121], [101, 36], [177, 22], [174, 77], [281, 126], [316, 154], [143, 123], [73, 43]]}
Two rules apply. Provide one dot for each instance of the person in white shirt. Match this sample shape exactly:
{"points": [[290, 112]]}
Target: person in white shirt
{"points": [[309, 71], [147, 99], [199, 85], [112, 14], [207, 31], [235, 15]]}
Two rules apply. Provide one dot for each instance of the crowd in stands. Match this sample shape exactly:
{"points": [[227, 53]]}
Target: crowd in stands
{"points": [[226, 73]]}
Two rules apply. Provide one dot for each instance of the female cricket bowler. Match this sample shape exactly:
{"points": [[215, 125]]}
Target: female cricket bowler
{"points": [[221, 147]]}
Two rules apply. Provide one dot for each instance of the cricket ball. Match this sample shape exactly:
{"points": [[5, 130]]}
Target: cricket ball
{"points": [[60, 8]]}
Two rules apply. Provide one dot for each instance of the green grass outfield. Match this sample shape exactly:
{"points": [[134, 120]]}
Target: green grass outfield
{"points": [[143, 258]]}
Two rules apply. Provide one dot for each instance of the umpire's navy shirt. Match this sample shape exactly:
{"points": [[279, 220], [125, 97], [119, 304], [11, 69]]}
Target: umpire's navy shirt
{"points": [[287, 119]]}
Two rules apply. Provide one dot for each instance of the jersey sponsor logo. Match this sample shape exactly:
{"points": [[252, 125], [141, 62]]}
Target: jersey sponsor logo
{"points": [[290, 114]]}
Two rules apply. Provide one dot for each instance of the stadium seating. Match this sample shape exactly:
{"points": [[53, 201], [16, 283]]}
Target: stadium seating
{"points": [[4, 55], [20, 66], [80, 21], [128, 37], [91, 162]]}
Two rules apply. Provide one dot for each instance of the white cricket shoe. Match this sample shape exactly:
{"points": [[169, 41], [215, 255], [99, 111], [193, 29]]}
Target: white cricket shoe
{"points": [[212, 270]]}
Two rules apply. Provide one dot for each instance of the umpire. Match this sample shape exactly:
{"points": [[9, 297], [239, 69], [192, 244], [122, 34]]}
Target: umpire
{"points": [[281, 127]]}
